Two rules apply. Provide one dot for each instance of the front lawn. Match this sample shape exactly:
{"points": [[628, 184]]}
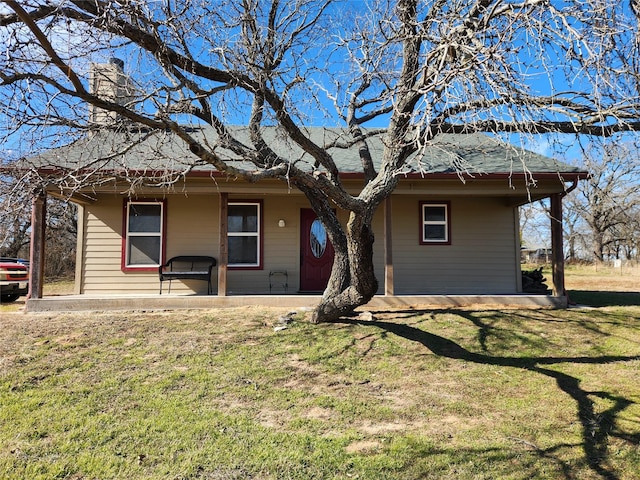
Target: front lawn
{"points": [[459, 394]]}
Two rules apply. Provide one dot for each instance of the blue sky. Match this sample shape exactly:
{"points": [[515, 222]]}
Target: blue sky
{"points": [[545, 145]]}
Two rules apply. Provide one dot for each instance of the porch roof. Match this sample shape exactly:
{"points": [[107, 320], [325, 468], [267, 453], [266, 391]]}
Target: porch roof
{"points": [[143, 153]]}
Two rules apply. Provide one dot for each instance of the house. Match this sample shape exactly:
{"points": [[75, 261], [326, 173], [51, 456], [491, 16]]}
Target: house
{"points": [[449, 230], [536, 255]]}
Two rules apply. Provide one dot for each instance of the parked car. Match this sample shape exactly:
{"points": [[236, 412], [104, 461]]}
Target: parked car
{"points": [[14, 279]]}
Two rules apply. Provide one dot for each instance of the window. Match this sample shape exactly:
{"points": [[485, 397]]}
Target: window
{"points": [[244, 234], [144, 227], [435, 224]]}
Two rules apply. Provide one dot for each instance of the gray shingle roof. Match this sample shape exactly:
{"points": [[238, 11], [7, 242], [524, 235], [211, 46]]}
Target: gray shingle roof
{"points": [[161, 151]]}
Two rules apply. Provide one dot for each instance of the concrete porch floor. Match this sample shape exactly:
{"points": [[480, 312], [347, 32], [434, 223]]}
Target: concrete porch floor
{"points": [[75, 303]]}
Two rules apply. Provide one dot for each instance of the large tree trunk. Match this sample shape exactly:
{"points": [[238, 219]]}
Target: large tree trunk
{"points": [[598, 247], [353, 281]]}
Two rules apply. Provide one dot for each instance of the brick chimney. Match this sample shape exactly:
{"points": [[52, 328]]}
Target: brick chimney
{"points": [[109, 82]]}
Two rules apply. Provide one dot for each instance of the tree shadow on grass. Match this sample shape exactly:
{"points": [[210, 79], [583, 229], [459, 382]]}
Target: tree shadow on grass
{"points": [[604, 298], [596, 427]]}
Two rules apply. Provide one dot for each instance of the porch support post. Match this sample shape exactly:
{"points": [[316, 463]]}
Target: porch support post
{"points": [[223, 247], [388, 249], [37, 251], [557, 247]]}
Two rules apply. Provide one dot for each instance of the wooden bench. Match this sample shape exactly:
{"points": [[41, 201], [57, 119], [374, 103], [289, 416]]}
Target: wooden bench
{"points": [[187, 267]]}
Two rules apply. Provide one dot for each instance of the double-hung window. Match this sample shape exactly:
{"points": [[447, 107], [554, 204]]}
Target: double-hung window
{"points": [[244, 234], [144, 224], [435, 223]]}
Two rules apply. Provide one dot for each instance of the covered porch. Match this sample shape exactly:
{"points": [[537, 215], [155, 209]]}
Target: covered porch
{"points": [[387, 298]]}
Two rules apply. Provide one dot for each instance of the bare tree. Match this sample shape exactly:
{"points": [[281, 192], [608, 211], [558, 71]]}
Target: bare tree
{"points": [[534, 225], [15, 215], [15, 226], [575, 231], [413, 68], [608, 200]]}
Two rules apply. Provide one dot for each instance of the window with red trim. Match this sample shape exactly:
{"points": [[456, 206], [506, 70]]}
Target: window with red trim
{"points": [[144, 234], [435, 223], [244, 234]]}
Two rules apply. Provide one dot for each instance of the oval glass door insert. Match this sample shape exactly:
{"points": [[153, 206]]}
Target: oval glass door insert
{"points": [[318, 238]]}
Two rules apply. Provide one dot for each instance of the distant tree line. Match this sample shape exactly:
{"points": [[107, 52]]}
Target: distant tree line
{"points": [[602, 215], [15, 229]]}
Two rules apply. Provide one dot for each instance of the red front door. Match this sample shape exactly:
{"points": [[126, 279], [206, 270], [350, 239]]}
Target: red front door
{"points": [[316, 253]]}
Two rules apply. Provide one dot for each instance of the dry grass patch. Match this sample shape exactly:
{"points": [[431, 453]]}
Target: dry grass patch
{"points": [[603, 278], [413, 394]]}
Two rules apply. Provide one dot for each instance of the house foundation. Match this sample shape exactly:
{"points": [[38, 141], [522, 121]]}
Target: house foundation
{"points": [[75, 303]]}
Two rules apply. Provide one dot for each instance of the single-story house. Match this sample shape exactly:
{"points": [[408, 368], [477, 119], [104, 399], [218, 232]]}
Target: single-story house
{"points": [[442, 232], [450, 228]]}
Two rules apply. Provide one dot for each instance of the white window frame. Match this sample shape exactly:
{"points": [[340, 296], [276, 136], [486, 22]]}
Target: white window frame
{"points": [[128, 235], [446, 223], [257, 234]]}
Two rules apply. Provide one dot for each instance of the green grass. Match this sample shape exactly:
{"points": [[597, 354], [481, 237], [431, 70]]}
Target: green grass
{"points": [[463, 394], [604, 298]]}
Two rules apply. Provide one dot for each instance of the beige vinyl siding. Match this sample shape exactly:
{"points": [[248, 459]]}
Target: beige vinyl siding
{"points": [[192, 229], [103, 249], [480, 259], [281, 248], [192, 225]]}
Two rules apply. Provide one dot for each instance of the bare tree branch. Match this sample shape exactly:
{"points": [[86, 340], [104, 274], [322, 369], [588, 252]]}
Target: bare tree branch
{"points": [[394, 74]]}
